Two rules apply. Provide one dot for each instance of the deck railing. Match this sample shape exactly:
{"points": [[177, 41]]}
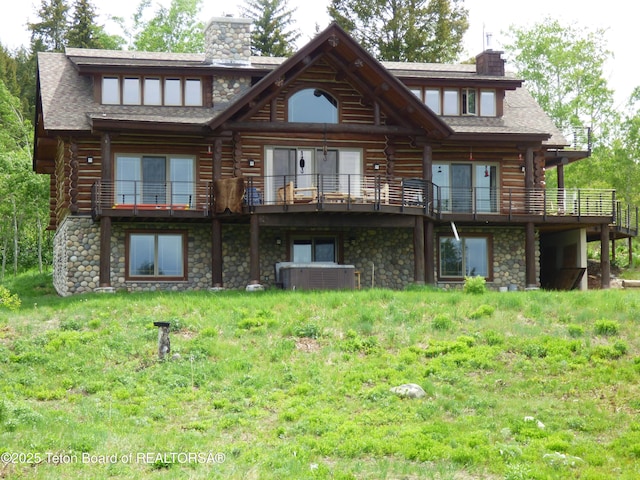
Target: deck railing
{"points": [[136, 195], [376, 191]]}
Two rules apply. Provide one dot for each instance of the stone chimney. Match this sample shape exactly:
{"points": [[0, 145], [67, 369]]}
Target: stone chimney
{"points": [[227, 41], [490, 62]]}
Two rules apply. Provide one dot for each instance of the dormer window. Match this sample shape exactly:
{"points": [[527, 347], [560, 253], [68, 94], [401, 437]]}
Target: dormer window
{"points": [[469, 101], [136, 90], [313, 105], [111, 91], [459, 101]]}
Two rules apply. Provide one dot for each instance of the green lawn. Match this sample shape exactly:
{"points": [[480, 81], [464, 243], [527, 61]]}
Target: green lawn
{"points": [[295, 385]]}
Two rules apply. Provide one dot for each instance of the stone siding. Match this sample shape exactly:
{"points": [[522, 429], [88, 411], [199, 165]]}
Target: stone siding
{"points": [[225, 89], [228, 41], [76, 256], [384, 257]]}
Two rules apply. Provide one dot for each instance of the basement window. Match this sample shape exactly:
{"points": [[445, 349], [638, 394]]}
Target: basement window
{"points": [[156, 255]]}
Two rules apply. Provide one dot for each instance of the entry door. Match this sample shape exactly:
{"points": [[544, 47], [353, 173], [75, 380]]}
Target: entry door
{"points": [[461, 191]]}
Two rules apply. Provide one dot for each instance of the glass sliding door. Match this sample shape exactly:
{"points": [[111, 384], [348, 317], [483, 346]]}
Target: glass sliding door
{"points": [[154, 180], [461, 193]]}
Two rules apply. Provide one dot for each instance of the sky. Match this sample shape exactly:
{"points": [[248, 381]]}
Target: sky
{"points": [[494, 17]]}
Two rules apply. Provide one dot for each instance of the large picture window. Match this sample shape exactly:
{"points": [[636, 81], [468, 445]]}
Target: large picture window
{"points": [[327, 170], [156, 255], [468, 256], [154, 180]]}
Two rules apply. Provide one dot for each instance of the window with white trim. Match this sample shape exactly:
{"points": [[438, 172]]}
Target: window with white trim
{"points": [[487, 103], [469, 101]]}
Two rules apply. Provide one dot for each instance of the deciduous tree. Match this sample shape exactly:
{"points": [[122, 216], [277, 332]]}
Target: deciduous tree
{"points": [[405, 30]]}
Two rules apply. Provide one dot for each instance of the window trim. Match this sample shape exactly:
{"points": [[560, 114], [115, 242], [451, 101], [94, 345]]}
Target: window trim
{"points": [[156, 278], [469, 101], [141, 101], [489, 239]]}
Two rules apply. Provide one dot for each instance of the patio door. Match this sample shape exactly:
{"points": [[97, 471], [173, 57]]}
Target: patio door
{"points": [[461, 192]]}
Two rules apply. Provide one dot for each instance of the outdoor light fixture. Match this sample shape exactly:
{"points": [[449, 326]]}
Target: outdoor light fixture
{"points": [[278, 241], [376, 166], [301, 162], [89, 158], [252, 162]]}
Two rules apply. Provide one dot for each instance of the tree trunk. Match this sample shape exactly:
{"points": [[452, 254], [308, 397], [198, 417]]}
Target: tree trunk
{"points": [[15, 236]]}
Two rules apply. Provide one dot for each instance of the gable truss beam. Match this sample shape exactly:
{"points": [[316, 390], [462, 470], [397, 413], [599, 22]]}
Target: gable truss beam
{"points": [[371, 94], [273, 90], [285, 127]]}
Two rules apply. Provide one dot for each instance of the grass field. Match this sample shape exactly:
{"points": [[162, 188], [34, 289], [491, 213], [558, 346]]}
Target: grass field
{"points": [[296, 385]]}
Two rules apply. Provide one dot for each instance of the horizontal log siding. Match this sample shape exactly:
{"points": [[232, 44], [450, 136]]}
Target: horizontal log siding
{"points": [[88, 173], [62, 174]]}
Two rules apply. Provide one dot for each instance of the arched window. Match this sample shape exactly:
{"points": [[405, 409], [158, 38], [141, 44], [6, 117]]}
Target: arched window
{"points": [[313, 105]]}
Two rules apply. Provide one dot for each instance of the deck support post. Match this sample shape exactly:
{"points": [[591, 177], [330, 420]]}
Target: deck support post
{"points": [[104, 282], [216, 254], [605, 263], [418, 251], [530, 254], [429, 254], [254, 254]]}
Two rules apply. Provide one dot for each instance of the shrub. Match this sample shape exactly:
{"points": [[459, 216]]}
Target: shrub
{"points": [[606, 327], [441, 322], [9, 300], [482, 311], [575, 331], [475, 285]]}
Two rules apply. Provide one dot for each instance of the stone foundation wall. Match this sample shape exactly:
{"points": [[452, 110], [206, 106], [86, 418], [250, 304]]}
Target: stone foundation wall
{"points": [[384, 257], [76, 256], [509, 264]]}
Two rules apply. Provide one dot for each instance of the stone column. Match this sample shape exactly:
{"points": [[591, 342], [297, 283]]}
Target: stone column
{"points": [[530, 256]]}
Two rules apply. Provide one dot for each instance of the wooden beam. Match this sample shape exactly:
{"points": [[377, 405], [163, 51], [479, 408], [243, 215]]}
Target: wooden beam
{"points": [[429, 253], [254, 250], [216, 253], [605, 262], [286, 127], [418, 251], [530, 256], [342, 222]]}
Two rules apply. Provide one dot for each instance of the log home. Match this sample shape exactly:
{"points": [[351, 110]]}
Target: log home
{"points": [[327, 169]]}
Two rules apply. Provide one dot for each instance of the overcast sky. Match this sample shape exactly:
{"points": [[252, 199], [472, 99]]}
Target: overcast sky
{"points": [[618, 17]]}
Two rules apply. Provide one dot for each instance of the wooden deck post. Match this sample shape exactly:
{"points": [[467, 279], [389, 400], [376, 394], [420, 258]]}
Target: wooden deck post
{"points": [[216, 254], [605, 263], [105, 221], [530, 254], [418, 250], [254, 254], [429, 254]]}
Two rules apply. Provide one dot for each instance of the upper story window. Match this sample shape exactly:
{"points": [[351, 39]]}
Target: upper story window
{"points": [[451, 102], [111, 91], [469, 101], [313, 106], [487, 103], [459, 101], [170, 91]]}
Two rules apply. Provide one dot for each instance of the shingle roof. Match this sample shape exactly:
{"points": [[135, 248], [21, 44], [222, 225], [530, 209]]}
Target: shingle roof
{"points": [[68, 103]]}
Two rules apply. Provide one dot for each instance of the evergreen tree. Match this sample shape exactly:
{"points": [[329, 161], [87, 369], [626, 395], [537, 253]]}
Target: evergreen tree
{"points": [[405, 30], [84, 32], [50, 33], [272, 34]]}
